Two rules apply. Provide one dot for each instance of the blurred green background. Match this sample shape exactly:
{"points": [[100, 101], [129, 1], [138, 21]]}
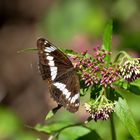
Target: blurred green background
{"points": [[66, 20], [75, 24]]}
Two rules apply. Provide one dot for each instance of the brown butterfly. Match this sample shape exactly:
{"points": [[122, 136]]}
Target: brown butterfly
{"points": [[58, 71]]}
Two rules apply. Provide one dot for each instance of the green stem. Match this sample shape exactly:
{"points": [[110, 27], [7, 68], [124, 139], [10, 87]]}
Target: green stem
{"points": [[110, 93], [113, 133], [27, 50], [119, 54]]}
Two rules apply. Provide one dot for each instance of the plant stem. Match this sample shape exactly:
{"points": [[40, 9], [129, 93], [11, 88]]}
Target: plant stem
{"points": [[119, 54], [113, 133]]}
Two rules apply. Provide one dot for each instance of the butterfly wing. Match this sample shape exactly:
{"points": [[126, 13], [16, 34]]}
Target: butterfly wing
{"points": [[52, 59], [57, 69], [68, 86]]}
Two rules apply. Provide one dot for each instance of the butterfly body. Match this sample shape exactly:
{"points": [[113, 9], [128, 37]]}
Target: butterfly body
{"points": [[58, 71]]}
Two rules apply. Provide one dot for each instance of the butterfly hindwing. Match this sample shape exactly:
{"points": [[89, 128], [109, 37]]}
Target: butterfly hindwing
{"points": [[58, 71], [68, 85]]}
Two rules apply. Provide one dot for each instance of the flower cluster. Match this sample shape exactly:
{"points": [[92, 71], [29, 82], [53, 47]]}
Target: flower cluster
{"points": [[100, 110], [130, 70], [109, 75], [93, 70]]}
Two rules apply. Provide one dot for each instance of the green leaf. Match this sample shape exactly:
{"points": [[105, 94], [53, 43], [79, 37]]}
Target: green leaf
{"points": [[95, 91], [67, 51], [123, 112], [52, 112], [79, 133], [136, 82], [107, 38], [52, 127], [83, 88], [123, 92], [90, 136], [134, 89], [50, 115]]}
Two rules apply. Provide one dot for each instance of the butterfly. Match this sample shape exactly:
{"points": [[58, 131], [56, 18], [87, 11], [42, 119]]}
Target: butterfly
{"points": [[57, 70]]}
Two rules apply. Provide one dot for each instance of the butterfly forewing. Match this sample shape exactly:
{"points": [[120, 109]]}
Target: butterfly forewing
{"points": [[58, 71]]}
